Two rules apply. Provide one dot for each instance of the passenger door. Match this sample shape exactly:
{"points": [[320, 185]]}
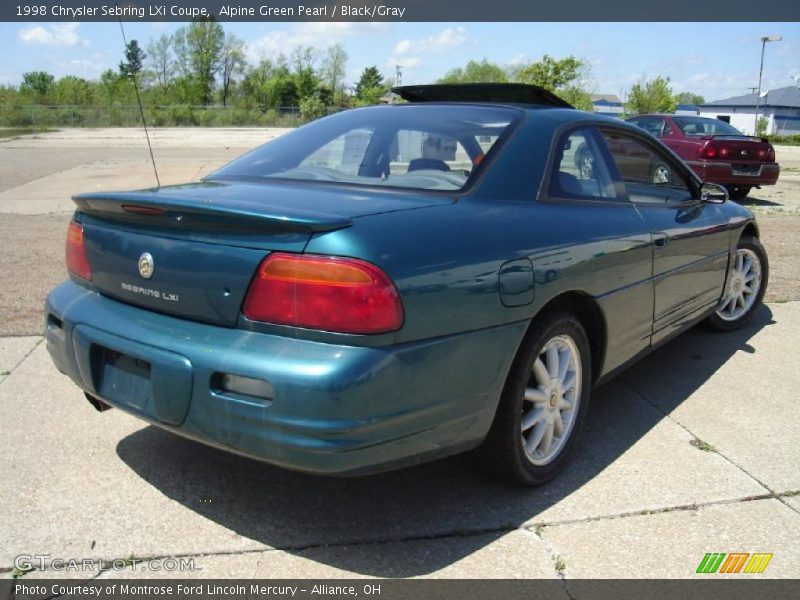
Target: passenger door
{"points": [[690, 237], [590, 238]]}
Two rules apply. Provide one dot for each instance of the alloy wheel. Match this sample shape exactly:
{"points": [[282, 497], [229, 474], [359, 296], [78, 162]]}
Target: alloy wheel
{"points": [[744, 283], [551, 400]]}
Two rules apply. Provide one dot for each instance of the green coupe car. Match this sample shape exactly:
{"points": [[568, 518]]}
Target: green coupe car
{"points": [[393, 284]]}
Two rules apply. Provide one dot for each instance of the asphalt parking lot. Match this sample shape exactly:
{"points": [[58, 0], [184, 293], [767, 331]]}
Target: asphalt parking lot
{"points": [[694, 450]]}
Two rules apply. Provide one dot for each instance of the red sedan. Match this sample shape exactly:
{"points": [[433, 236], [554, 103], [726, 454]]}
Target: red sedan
{"points": [[716, 151]]}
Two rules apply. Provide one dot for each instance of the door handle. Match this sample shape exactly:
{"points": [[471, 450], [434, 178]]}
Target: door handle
{"points": [[660, 239]]}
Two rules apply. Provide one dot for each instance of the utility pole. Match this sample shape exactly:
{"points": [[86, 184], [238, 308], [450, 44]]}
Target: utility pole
{"points": [[764, 40]]}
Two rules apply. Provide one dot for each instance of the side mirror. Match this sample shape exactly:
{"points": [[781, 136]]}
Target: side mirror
{"points": [[713, 193]]}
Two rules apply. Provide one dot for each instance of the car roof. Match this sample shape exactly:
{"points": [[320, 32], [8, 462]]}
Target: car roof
{"points": [[671, 116], [481, 93]]}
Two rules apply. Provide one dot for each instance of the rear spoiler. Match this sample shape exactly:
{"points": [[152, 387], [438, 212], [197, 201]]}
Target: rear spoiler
{"points": [[165, 211], [503, 93], [735, 138]]}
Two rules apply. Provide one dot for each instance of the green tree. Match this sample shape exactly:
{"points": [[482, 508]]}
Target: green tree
{"points": [[334, 68], [762, 125], [271, 85], [304, 70], [577, 97], [370, 78], [370, 87], [651, 96], [37, 85], [689, 98], [551, 73], [476, 72], [312, 108], [199, 51], [134, 60], [566, 77], [162, 61], [233, 63], [110, 89], [73, 91]]}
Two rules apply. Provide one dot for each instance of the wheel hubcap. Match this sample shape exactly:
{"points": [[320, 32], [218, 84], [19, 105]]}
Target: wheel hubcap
{"points": [[744, 283], [551, 400]]}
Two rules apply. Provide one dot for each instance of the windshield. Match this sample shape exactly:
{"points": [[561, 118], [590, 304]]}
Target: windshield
{"points": [[413, 146], [700, 126]]}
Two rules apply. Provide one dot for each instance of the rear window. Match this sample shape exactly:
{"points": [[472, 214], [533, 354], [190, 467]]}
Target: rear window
{"points": [[700, 126], [420, 146]]}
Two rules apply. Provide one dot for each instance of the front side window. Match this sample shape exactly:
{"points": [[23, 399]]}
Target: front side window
{"points": [[429, 147], [580, 173], [648, 175]]}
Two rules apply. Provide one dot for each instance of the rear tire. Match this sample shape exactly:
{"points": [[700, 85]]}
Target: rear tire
{"points": [[744, 286], [736, 192], [543, 406]]}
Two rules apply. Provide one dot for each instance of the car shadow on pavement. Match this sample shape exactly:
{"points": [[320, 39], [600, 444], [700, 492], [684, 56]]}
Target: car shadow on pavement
{"points": [[447, 500], [753, 201]]}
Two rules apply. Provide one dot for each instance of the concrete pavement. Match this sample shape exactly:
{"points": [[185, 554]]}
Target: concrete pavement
{"points": [[643, 497]]}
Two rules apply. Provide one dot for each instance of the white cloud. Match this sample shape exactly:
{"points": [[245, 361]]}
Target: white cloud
{"points": [[89, 68], [446, 39], [406, 62], [518, 60], [315, 34], [409, 53], [58, 34]]}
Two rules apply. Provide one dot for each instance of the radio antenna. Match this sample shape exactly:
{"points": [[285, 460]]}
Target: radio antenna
{"points": [[139, 102]]}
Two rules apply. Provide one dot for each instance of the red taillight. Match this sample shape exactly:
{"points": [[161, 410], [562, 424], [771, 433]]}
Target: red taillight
{"points": [[77, 262], [708, 151], [344, 295], [771, 154], [723, 152]]}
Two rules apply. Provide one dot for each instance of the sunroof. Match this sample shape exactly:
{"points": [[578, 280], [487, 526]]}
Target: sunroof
{"points": [[506, 93]]}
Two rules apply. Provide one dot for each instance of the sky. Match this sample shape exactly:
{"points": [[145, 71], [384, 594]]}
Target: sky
{"points": [[716, 60]]}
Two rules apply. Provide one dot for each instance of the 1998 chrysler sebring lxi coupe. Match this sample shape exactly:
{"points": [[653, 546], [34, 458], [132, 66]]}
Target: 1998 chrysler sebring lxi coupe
{"points": [[392, 284]]}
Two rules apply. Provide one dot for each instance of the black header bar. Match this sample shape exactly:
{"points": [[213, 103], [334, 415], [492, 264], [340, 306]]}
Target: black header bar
{"points": [[402, 10]]}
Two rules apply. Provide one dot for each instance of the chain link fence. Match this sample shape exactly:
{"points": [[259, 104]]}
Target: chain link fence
{"points": [[43, 116]]}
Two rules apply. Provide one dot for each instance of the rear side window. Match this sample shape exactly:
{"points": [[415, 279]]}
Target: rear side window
{"points": [[429, 147], [702, 126], [655, 127], [579, 170]]}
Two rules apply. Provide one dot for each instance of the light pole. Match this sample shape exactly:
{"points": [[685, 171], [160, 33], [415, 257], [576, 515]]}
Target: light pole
{"points": [[764, 40]]}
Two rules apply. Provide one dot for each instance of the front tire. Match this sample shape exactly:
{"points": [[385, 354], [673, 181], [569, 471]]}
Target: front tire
{"points": [[543, 406], [744, 287]]}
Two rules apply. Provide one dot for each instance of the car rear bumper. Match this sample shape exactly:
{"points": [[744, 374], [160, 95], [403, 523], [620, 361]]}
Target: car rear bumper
{"points": [[728, 173], [334, 409]]}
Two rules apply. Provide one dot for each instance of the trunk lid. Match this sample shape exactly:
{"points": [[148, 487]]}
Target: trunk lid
{"points": [[742, 148], [203, 242]]}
